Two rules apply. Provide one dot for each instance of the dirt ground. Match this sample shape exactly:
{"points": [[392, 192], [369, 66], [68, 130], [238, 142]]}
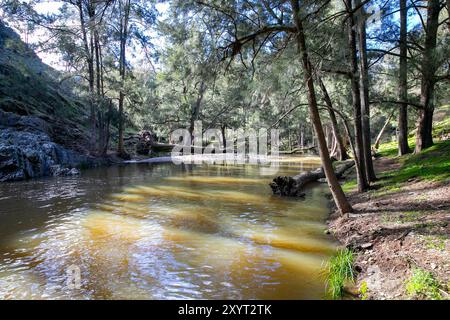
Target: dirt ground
{"points": [[393, 233]]}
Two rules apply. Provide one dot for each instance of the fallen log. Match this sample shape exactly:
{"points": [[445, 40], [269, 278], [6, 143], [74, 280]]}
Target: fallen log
{"points": [[299, 150], [163, 147], [294, 186]]}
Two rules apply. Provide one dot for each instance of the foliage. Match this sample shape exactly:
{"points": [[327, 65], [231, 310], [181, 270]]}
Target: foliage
{"points": [[435, 242], [182, 65], [423, 284], [363, 291]]}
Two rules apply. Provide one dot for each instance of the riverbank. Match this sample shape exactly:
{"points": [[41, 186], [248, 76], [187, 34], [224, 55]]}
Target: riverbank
{"points": [[400, 230]]}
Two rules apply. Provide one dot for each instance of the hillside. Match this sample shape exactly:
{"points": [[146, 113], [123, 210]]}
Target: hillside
{"points": [[40, 133]]}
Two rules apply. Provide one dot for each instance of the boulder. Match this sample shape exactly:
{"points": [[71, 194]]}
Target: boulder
{"points": [[32, 154]]}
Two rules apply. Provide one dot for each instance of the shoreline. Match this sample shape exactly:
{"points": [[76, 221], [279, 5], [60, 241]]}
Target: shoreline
{"points": [[396, 235]]}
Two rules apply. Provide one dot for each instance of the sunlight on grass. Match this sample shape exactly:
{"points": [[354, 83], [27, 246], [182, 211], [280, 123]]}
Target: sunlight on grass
{"points": [[423, 284], [339, 272], [349, 186], [441, 128], [433, 164]]}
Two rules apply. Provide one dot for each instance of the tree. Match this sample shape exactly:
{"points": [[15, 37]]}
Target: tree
{"points": [[342, 152], [403, 146], [124, 8], [365, 102], [356, 98], [429, 67], [336, 190]]}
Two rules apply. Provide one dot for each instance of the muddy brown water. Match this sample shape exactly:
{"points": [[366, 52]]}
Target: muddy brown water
{"points": [[163, 231]]}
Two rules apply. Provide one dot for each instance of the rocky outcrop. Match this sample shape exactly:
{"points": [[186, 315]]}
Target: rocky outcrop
{"points": [[27, 151]]}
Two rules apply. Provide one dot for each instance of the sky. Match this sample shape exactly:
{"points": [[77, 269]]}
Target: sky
{"points": [[48, 7]]}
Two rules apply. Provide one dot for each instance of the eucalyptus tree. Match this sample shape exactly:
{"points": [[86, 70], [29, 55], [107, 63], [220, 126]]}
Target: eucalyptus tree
{"points": [[363, 182]]}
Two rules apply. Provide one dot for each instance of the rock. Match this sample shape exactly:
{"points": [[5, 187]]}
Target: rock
{"points": [[74, 172], [366, 246], [32, 154]]}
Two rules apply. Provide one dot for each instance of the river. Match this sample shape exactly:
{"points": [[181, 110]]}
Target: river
{"points": [[163, 231]]}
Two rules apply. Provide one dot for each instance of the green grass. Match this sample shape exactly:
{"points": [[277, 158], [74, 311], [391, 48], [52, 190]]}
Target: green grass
{"points": [[390, 149], [435, 242], [349, 186], [339, 272], [404, 217], [441, 128], [432, 164], [423, 284]]}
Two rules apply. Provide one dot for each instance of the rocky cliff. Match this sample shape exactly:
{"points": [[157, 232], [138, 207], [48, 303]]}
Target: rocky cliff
{"points": [[41, 131]]}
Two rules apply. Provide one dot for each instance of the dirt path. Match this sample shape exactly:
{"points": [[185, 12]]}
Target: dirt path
{"points": [[394, 232]]}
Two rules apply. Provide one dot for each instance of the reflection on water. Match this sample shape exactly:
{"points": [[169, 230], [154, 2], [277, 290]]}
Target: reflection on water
{"points": [[160, 231]]}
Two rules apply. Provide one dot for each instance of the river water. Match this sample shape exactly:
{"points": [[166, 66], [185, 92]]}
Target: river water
{"points": [[163, 231]]}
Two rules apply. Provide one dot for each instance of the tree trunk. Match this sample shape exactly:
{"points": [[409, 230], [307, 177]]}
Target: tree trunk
{"points": [[91, 75], [357, 113], [334, 147], [223, 129], [365, 102], [196, 107], [448, 12], [301, 136], [424, 135], [342, 151], [403, 147], [380, 135], [122, 66], [336, 189], [120, 148], [108, 128], [289, 140]]}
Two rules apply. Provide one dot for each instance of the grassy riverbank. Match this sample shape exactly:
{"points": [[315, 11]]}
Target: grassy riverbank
{"points": [[400, 230]]}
